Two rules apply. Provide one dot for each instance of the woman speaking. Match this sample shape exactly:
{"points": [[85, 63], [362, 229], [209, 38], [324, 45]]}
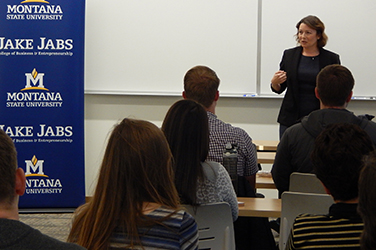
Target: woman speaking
{"points": [[298, 70]]}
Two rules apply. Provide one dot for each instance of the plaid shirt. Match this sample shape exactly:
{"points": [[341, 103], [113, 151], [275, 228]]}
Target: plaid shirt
{"points": [[220, 134]]}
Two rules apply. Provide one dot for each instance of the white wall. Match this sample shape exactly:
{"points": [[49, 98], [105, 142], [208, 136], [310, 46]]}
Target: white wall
{"points": [[256, 115]]}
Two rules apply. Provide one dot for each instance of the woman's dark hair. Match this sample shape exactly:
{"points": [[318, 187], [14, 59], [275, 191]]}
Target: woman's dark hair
{"points": [[187, 131]]}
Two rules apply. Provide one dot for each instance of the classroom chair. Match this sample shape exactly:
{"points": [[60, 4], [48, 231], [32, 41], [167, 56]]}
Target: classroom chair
{"points": [[215, 225], [305, 183], [295, 203]]}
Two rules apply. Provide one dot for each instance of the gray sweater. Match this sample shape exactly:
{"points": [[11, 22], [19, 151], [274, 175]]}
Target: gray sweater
{"points": [[217, 187]]}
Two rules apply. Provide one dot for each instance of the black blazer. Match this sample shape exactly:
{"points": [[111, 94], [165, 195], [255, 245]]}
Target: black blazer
{"points": [[289, 112]]}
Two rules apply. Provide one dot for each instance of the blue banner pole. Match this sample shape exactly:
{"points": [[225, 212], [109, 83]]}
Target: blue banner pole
{"points": [[42, 97]]}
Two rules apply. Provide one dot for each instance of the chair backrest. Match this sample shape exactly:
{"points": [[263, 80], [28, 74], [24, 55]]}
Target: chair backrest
{"points": [[295, 203], [215, 225], [305, 183]]}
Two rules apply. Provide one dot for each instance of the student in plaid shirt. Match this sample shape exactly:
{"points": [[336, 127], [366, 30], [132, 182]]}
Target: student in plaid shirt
{"points": [[201, 85]]}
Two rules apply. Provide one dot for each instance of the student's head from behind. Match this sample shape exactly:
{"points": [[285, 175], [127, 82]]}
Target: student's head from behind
{"points": [[334, 85], [201, 84], [316, 24], [187, 131], [9, 174], [136, 170], [337, 158], [137, 166], [367, 201]]}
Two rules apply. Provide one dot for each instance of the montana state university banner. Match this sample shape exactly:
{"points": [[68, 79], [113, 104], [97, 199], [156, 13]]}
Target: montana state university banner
{"points": [[42, 97]]}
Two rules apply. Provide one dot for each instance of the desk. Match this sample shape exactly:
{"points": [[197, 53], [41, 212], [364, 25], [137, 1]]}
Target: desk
{"points": [[266, 146], [264, 181], [265, 157], [260, 207]]}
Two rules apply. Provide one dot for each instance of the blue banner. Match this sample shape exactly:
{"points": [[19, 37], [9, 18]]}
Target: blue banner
{"points": [[42, 97]]}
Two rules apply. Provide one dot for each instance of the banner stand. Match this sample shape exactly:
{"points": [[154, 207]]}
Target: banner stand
{"points": [[42, 98]]}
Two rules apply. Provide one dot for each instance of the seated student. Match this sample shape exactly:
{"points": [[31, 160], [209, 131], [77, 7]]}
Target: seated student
{"points": [[201, 85], [367, 203], [334, 91], [187, 131], [135, 204], [337, 158], [13, 233]]}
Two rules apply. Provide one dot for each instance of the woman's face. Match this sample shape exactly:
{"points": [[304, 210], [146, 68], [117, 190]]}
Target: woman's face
{"points": [[307, 36]]}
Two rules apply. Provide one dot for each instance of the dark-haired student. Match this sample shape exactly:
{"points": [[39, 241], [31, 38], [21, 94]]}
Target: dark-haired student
{"points": [[15, 235], [338, 160], [135, 204], [367, 202], [187, 131], [334, 90]]}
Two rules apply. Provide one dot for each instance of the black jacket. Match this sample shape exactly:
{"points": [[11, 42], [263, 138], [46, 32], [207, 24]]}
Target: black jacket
{"points": [[296, 145], [289, 112]]}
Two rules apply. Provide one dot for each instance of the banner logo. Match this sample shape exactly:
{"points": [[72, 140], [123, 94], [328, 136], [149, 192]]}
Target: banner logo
{"points": [[34, 1], [35, 165], [42, 185], [34, 94], [34, 78], [41, 10]]}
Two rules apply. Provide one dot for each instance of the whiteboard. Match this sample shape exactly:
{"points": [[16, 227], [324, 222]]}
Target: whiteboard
{"points": [[146, 46], [349, 25]]}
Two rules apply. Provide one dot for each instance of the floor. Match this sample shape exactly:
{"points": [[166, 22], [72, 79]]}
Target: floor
{"points": [[56, 225]]}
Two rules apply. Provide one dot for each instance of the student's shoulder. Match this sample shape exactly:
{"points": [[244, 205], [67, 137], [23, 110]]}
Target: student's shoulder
{"points": [[51, 243], [369, 127], [240, 132], [31, 238], [224, 127], [212, 165], [306, 218]]}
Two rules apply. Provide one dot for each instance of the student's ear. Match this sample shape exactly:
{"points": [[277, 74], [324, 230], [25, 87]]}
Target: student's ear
{"points": [[183, 94], [317, 93], [216, 96], [349, 97], [327, 190], [20, 182]]}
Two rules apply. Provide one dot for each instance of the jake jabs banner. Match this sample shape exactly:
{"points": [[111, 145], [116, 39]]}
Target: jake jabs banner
{"points": [[42, 97]]}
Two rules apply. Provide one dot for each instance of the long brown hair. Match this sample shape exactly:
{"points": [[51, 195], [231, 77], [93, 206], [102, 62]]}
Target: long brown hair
{"points": [[136, 168]]}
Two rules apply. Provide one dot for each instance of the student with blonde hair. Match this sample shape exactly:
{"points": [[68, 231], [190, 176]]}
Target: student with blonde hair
{"points": [[135, 204]]}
